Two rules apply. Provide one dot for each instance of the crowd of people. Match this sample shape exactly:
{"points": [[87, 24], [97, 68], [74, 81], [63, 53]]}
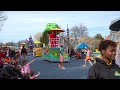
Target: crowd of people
{"points": [[13, 65], [82, 54], [107, 66]]}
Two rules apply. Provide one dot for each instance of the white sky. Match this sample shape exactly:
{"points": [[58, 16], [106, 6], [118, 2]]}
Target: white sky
{"points": [[20, 24]]}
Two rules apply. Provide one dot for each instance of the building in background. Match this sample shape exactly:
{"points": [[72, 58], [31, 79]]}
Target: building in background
{"points": [[115, 30], [115, 35]]}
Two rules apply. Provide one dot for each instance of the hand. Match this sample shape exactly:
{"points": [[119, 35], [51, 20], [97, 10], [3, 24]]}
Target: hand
{"points": [[38, 73], [34, 59]]}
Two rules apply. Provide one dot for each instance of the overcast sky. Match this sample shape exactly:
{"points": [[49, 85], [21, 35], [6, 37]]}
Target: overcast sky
{"points": [[20, 24]]}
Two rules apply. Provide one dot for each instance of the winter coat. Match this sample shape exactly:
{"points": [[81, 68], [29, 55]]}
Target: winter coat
{"points": [[100, 70]]}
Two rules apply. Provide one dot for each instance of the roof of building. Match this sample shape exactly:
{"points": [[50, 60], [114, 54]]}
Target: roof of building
{"points": [[115, 25]]}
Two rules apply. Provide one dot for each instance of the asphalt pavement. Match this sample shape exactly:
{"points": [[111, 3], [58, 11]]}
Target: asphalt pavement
{"points": [[49, 70]]}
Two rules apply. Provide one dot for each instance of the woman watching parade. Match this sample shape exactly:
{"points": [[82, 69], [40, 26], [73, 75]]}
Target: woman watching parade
{"points": [[105, 68]]}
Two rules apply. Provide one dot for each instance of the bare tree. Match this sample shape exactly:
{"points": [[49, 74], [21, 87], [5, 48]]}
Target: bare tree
{"points": [[37, 36], [79, 31], [10, 43], [3, 17], [62, 34], [1, 44], [99, 36]]}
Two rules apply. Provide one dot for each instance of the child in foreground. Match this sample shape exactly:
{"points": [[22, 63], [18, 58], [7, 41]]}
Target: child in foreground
{"points": [[26, 72]]}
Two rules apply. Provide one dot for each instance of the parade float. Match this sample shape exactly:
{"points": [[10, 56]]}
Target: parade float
{"points": [[37, 51], [52, 51], [30, 45]]}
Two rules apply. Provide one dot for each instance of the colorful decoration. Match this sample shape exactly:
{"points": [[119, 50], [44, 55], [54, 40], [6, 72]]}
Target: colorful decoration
{"points": [[53, 54], [30, 43], [53, 30], [51, 26]]}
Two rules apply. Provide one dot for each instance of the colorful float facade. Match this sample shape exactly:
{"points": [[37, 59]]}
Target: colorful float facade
{"points": [[52, 51], [37, 50]]}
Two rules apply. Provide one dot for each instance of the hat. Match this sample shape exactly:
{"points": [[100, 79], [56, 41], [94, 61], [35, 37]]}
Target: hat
{"points": [[117, 41]]}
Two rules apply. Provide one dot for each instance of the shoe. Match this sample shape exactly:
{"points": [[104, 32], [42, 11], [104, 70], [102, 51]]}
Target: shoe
{"points": [[59, 66], [84, 65], [63, 67]]}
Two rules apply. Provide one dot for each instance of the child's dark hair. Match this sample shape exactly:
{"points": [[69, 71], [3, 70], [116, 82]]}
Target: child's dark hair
{"points": [[104, 44], [24, 62], [7, 57]]}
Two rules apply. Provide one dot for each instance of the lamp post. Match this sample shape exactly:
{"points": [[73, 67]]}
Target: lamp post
{"points": [[68, 37]]}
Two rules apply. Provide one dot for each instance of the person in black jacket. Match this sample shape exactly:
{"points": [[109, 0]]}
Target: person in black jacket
{"points": [[23, 53], [105, 68]]}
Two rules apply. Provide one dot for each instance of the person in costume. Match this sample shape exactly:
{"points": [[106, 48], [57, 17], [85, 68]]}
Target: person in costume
{"points": [[61, 64]]}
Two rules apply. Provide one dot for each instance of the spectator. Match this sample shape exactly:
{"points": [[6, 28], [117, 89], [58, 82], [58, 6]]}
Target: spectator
{"points": [[105, 68], [117, 58], [23, 53]]}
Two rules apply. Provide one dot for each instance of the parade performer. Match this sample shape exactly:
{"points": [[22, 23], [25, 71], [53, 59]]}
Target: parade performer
{"points": [[61, 64], [88, 58]]}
